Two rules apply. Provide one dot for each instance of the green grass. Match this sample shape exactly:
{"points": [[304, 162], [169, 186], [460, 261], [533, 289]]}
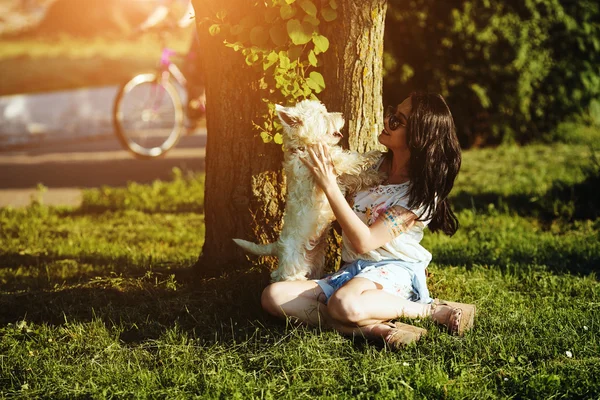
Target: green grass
{"points": [[546, 181], [101, 301], [184, 193], [37, 65]]}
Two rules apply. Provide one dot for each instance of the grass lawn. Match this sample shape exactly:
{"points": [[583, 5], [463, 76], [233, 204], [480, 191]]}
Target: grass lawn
{"points": [[32, 65], [101, 301]]}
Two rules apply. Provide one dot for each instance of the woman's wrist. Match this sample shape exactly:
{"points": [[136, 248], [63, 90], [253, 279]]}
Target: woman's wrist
{"points": [[330, 187]]}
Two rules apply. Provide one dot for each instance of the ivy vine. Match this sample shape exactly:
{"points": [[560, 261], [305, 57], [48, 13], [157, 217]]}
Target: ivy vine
{"points": [[280, 39]]}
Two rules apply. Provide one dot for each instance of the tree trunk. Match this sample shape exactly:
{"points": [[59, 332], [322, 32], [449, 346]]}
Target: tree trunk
{"points": [[243, 196], [353, 70], [245, 188]]}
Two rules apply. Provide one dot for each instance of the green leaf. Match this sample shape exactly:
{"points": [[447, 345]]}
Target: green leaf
{"points": [[307, 90], [312, 59], [249, 21], [481, 93], [251, 58], [235, 46], [321, 43], [308, 7], [284, 61], [294, 52], [333, 4], [278, 35], [328, 14], [299, 33], [309, 19], [594, 112], [316, 82], [278, 138], [266, 138], [278, 80], [269, 60], [271, 15], [259, 36], [214, 29], [596, 43], [262, 84], [287, 12], [221, 14], [237, 29], [290, 1]]}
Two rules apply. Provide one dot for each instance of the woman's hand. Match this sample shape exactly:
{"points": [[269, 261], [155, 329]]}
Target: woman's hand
{"points": [[321, 165]]}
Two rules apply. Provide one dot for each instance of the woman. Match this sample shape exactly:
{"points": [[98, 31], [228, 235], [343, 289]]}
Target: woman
{"points": [[384, 275]]}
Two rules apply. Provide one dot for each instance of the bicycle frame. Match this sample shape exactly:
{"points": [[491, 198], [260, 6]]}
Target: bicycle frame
{"points": [[168, 67], [146, 110]]}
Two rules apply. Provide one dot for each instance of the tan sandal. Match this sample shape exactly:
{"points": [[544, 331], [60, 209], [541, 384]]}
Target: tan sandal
{"points": [[456, 317], [402, 335]]}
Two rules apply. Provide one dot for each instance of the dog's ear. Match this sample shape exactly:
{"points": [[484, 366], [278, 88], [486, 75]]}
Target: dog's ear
{"points": [[287, 116]]}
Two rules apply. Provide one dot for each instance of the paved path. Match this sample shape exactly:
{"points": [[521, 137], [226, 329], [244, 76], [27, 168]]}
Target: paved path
{"points": [[64, 141], [39, 118], [65, 167]]}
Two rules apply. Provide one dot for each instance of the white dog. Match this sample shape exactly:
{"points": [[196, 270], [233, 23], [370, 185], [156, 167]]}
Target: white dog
{"points": [[307, 218]]}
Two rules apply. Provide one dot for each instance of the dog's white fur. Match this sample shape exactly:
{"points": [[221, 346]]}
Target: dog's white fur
{"points": [[308, 215]]}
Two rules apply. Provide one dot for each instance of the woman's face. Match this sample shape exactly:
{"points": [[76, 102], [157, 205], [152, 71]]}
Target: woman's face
{"points": [[393, 135]]}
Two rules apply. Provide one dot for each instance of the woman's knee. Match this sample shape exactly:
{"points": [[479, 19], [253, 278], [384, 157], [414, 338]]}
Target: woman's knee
{"points": [[285, 298], [346, 304], [269, 299], [345, 307]]}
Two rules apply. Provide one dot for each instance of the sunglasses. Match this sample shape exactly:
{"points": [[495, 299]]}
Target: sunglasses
{"points": [[394, 121]]}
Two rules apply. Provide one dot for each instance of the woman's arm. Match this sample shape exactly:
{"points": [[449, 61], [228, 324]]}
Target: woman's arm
{"points": [[363, 238]]}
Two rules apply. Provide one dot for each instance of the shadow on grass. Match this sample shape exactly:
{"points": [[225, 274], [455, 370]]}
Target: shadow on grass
{"points": [[221, 309], [47, 271], [570, 261], [569, 201]]}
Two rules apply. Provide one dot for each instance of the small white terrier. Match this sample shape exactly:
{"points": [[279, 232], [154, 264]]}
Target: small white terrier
{"points": [[307, 217]]}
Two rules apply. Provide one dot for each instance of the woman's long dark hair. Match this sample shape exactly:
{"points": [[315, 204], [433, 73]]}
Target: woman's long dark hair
{"points": [[435, 159]]}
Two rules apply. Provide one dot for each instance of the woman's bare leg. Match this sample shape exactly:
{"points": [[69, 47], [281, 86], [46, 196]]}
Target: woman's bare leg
{"points": [[362, 302], [304, 301]]}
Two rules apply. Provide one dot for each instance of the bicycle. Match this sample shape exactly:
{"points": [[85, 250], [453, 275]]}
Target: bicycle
{"points": [[149, 116]]}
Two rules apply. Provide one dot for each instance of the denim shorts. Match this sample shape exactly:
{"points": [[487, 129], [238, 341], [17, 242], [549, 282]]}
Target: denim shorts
{"points": [[395, 276]]}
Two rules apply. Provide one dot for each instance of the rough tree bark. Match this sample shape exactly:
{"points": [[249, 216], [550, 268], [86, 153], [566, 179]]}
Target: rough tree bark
{"points": [[353, 70], [245, 188]]}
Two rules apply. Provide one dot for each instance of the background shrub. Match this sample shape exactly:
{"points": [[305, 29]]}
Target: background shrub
{"points": [[510, 70]]}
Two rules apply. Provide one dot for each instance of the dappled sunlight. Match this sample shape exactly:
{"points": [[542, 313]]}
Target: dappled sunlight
{"points": [[126, 283], [75, 48], [33, 66]]}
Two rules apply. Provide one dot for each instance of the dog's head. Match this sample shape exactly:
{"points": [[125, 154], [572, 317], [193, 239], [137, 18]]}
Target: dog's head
{"points": [[309, 123]]}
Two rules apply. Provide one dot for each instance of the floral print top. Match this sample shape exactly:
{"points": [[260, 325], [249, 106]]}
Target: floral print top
{"points": [[368, 205]]}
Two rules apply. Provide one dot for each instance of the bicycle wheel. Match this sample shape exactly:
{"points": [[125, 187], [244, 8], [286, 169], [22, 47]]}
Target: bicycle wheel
{"points": [[148, 116]]}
